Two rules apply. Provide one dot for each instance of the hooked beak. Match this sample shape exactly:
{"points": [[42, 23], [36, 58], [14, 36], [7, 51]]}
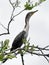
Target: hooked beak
{"points": [[34, 12]]}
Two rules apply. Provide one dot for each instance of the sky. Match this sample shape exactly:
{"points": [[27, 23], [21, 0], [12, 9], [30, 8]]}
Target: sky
{"points": [[38, 32]]}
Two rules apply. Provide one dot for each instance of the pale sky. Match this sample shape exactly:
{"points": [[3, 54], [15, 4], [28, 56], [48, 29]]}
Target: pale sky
{"points": [[38, 32]]}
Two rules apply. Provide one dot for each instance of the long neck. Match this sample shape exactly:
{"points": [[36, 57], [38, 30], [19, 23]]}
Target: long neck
{"points": [[26, 28]]}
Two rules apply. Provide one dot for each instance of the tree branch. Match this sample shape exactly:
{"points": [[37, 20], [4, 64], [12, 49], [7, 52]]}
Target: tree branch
{"points": [[22, 51], [11, 18], [4, 34], [3, 26], [22, 59], [45, 48], [19, 13], [44, 56], [37, 53], [11, 3]]}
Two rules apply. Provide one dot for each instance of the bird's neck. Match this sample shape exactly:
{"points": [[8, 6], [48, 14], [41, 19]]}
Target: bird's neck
{"points": [[26, 28]]}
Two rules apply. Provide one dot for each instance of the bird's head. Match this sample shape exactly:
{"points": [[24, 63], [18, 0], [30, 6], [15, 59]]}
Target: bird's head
{"points": [[29, 15]]}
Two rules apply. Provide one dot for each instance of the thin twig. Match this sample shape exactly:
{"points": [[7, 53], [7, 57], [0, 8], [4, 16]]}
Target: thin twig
{"points": [[44, 56], [41, 48], [4, 34], [3, 26], [16, 3], [12, 13], [46, 46], [11, 3], [36, 53], [22, 59], [18, 13], [9, 24]]}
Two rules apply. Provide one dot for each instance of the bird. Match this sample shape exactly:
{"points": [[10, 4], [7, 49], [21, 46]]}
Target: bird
{"points": [[22, 35], [18, 41]]}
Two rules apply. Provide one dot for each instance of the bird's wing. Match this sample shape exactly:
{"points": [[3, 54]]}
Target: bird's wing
{"points": [[19, 36], [18, 40]]}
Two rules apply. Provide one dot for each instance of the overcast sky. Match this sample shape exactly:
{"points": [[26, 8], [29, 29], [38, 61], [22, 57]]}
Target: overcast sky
{"points": [[38, 32]]}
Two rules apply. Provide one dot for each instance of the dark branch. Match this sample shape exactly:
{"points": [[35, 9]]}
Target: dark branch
{"points": [[22, 59], [9, 24], [11, 3], [4, 33], [12, 17], [44, 56], [45, 48], [18, 13], [37, 53]]}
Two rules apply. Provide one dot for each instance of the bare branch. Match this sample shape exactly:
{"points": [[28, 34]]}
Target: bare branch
{"points": [[3, 26], [41, 48], [17, 3], [46, 46], [11, 18], [44, 56], [9, 24], [22, 59], [37, 53], [12, 13], [4, 34], [11, 3], [18, 13]]}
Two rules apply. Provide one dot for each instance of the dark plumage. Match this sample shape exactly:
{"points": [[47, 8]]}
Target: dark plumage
{"points": [[18, 40]]}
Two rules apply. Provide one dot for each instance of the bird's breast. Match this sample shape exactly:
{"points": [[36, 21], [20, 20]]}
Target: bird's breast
{"points": [[26, 34]]}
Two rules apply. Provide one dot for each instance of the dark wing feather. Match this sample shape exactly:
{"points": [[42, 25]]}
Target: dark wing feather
{"points": [[18, 40]]}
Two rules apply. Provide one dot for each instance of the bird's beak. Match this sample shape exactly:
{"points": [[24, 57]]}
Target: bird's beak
{"points": [[34, 12]]}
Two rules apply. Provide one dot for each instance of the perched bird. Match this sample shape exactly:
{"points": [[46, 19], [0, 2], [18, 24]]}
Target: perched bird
{"points": [[22, 35]]}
